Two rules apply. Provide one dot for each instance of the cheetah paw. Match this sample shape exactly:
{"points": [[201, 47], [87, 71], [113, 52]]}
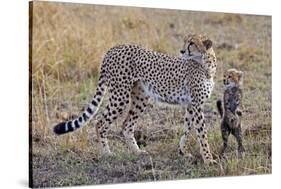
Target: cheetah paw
{"points": [[142, 152], [210, 162], [108, 154], [188, 155], [241, 154], [181, 152]]}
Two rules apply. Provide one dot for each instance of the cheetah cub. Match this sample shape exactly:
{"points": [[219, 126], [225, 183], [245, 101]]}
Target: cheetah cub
{"points": [[231, 112]]}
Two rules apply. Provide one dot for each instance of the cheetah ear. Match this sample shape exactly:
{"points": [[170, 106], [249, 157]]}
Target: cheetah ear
{"points": [[208, 43], [187, 37]]}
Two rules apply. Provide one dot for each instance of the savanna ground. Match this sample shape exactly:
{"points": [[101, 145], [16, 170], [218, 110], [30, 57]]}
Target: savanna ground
{"points": [[68, 43]]}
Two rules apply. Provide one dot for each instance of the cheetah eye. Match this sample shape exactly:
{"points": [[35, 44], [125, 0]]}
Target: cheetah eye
{"points": [[191, 43]]}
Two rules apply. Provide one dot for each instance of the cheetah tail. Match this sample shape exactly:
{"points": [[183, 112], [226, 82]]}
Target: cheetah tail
{"points": [[219, 107], [86, 115]]}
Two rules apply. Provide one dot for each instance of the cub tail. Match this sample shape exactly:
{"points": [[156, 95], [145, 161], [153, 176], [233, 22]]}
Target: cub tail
{"points": [[86, 115], [219, 107]]}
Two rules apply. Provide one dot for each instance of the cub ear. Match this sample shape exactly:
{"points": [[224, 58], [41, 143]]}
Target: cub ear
{"points": [[240, 77], [241, 74], [208, 43]]}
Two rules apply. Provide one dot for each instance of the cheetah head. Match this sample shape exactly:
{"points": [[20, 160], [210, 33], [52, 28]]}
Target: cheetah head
{"points": [[195, 46], [232, 78]]}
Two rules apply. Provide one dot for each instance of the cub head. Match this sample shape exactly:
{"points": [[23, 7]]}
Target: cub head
{"points": [[195, 46], [233, 78]]}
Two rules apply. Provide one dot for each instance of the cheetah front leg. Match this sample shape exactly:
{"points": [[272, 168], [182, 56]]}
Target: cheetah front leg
{"points": [[201, 132], [138, 105]]}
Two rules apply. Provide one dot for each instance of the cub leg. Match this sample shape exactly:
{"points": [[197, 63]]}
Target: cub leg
{"points": [[225, 134], [237, 133]]}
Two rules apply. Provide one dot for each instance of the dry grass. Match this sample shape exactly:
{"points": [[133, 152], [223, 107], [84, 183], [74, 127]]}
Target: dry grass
{"points": [[68, 43]]}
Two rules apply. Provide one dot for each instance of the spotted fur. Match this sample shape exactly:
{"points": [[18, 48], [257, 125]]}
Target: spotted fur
{"points": [[132, 74]]}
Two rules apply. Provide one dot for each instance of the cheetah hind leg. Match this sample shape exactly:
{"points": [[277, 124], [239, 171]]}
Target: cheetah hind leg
{"points": [[102, 125], [113, 110], [138, 105]]}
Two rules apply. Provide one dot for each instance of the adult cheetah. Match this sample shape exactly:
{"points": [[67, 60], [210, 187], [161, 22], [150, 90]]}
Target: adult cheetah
{"points": [[132, 74]]}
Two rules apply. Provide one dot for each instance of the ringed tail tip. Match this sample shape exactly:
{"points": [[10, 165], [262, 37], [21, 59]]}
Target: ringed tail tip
{"points": [[59, 129]]}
